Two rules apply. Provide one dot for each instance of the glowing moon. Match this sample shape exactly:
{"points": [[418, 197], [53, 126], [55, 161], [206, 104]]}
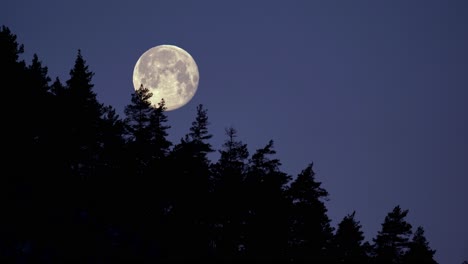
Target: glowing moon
{"points": [[170, 73]]}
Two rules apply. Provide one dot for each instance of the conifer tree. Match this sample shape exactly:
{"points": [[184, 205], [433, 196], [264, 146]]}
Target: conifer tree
{"points": [[39, 79], [81, 122], [266, 222], [139, 123], [347, 244], [15, 185], [13, 75], [160, 143], [419, 250], [39, 102], [189, 187], [392, 241], [229, 204], [82, 118], [57, 88], [311, 232], [147, 150]]}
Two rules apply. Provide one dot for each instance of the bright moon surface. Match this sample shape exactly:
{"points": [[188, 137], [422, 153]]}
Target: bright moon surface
{"points": [[170, 73]]}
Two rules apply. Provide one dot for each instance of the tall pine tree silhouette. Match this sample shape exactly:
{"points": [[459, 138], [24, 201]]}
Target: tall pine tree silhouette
{"points": [[83, 117], [348, 243], [311, 232], [266, 221], [190, 188], [392, 241], [229, 205], [147, 147], [419, 250]]}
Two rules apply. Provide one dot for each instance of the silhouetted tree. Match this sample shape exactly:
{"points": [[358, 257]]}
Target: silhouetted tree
{"points": [[199, 134], [39, 79], [311, 232], [160, 143], [57, 88], [146, 129], [109, 179], [419, 250], [39, 105], [266, 221], [148, 148], [13, 76], [9, 48], [78, 140], [392, 241], [83, 119], [347, 244], [190, 185], [229, 203], [16, 188]]}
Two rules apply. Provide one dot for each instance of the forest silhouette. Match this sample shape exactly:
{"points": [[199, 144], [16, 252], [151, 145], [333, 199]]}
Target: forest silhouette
{"points": [[83, 185]]}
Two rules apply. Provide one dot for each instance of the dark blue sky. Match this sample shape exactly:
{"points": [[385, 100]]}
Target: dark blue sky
{"points": [[373, 92]]}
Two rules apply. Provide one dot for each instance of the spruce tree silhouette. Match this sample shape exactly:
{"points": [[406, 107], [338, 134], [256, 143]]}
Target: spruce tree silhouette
{"points": [[190, 185], [229, 205], [17, 190], [139, 129], [266, 221], [84, 117], [392, 241], [311, 232], [347, 244], [39, 104], [81, 120], [147, 148], [419, 250]]}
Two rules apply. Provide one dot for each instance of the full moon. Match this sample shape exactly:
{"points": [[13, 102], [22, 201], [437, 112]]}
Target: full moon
{"points": [[170, 73]]}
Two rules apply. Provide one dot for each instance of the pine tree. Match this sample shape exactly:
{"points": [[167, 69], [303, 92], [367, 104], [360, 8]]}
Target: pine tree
{"points": [[81, 146], [57, 88], [311, 232], [147, 150], [15, 185], [189, 188], [160, 143], [146, 129], [266, 222], [10, 50], [392, 241], [38, 102], [347, 243], [13, 75], [38, 76], [82, 118], [229, 204], [419, 250], [232, 162], [199, 134]]}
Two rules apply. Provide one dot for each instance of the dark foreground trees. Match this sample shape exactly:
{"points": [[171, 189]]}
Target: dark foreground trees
{"points": [[81, 184]]}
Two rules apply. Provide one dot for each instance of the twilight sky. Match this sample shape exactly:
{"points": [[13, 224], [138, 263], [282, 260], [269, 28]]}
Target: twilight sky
{"points": [[375, 93]]}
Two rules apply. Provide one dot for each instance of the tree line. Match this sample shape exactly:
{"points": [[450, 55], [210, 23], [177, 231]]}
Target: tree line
{"points": [[82, 184]]}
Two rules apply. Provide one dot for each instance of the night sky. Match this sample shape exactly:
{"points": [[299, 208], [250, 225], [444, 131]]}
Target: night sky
{"points": [[373, 92]]}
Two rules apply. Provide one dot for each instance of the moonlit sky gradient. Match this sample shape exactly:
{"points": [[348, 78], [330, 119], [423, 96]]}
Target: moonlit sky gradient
{"points": [[375, 93]]}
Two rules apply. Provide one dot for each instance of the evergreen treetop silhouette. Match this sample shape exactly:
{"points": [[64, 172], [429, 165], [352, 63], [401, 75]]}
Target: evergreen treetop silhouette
{"points": [[392, 241]]}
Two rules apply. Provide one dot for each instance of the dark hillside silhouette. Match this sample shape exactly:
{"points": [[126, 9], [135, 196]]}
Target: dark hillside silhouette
{"points": [[81, 184]]}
